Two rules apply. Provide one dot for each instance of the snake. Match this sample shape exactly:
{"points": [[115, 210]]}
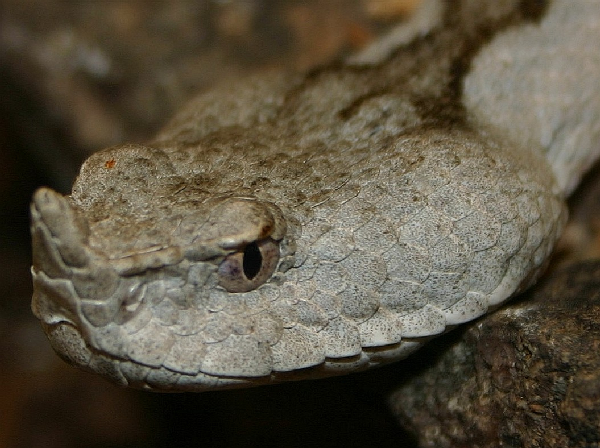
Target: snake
{"points": [[294, 226]]}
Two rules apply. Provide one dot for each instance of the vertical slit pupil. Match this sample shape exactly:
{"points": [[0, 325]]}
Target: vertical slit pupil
{"points": [[252, 261]]}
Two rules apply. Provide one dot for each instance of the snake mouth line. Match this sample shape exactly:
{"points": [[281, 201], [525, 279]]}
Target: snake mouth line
{"points": [[72, 347]]}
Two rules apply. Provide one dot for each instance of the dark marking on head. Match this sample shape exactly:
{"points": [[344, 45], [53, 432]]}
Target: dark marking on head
{"points": [[534, 10], [347, 112], [428, 72], [446, 55], [484, 27]]}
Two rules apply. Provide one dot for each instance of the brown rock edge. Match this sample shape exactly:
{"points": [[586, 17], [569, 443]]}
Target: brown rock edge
{"points": [[527, 376]]}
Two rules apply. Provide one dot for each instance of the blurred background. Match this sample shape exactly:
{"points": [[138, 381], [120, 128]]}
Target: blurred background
{"points": [[77, 76]]}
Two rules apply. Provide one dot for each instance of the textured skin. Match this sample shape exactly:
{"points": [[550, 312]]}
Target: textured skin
{"points": [[388, 202]]}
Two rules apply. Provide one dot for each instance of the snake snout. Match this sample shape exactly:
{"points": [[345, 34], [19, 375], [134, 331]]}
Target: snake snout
{"points": [[71, 279], [59, 234]]}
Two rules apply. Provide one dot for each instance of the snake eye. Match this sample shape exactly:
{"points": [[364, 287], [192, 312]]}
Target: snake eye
{"points": [[249, 268]]}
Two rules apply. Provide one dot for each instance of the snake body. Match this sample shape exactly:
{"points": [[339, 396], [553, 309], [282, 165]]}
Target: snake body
{"points": [[301, 226]]}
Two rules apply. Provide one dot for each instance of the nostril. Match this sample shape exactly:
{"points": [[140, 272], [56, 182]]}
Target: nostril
{"points": [[131, 303]]}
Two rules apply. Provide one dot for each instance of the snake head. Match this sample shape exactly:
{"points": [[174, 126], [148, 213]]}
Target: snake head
{"points": [[135, 291]]}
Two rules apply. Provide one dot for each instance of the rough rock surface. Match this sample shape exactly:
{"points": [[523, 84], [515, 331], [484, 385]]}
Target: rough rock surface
{"points": [[527, 376]]}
